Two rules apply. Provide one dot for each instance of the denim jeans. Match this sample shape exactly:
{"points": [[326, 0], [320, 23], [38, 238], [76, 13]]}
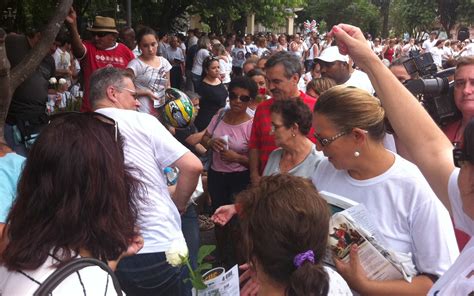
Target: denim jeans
{"points": [[149, 274], [190, 228]]}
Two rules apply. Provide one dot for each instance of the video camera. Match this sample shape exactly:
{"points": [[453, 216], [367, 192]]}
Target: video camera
{"points": [[433, 89]]}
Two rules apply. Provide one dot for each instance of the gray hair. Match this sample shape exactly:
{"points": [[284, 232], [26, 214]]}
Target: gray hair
{"points": [[290, 61], [103, 78]]}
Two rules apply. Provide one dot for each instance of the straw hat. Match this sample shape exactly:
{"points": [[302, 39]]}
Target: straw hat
{"points": [[103, 24]]}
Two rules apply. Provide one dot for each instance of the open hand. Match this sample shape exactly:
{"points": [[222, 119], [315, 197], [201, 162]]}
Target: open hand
{"points": [[223, 214]]}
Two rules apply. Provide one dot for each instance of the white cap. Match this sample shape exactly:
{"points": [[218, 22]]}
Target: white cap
{"points": [[331, 54]]}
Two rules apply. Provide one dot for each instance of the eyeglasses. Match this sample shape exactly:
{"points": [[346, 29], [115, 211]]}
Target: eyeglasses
{"points": [[101, 34], [326, 141], [460, 157], [105, 119], [275, 126], [234, 96], [131, 91]]}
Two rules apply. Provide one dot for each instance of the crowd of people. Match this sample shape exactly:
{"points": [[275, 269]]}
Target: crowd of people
{"points": [[276, 119]]}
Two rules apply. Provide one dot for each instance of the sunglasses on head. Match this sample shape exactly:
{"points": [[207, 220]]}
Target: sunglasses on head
{"points": [[100, 34], [105, 119], [234, 96]]}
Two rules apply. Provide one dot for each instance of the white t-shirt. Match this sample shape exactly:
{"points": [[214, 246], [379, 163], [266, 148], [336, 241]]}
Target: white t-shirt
{"points": [[150, 77], [311, 49], [94, 279], [62, 59], [459, 279], [299, 49], [361, 80], [238, 57], [263, 52], [250, 48], [437, 53], [225, 67], [469, 50], [428, 45], [198, 59], [150, 148], [404, 207], [162, 46], [337, 285], [174, 54], [447, 53]]}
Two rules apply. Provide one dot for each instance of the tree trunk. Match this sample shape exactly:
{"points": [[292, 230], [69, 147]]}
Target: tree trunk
{"points": [[4, 84], [10, 80], [385, 9]]}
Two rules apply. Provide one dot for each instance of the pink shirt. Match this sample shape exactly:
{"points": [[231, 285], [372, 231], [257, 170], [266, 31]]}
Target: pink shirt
{"points": [[239, 136]]}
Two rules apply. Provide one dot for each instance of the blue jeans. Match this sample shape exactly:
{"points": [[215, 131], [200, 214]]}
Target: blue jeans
{"points": [[190, 228], [149, 274]]}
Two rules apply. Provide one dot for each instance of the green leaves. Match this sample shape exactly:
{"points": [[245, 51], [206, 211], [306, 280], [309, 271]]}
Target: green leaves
{"points": [[195, 276], [204, 251], [360, 13]]}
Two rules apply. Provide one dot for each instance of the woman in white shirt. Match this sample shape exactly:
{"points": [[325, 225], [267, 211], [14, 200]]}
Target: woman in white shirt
{"points": [[204, 46], [225, 62], [152, 72], [452, 186], [350, 128]]}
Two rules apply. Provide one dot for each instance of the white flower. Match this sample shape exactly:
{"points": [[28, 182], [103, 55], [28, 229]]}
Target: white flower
{"points": [[177, 254], [52, 80], [62, 81]]}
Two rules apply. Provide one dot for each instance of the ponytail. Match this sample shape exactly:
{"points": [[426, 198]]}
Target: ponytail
{"points": [[308, 279]]}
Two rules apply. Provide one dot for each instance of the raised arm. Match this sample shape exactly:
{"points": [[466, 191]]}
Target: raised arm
{"points": [[428, 147], [76, 43]]}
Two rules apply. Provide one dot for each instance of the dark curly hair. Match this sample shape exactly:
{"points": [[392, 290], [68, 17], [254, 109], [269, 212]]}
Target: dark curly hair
{"points": [[294, 111]]}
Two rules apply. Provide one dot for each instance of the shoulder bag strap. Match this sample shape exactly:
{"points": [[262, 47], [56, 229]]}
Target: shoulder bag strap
{"points": [[219, 119], [74, 265]]}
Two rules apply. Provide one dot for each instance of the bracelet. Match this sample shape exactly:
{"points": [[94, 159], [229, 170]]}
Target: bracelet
{"points": [[208, 142]]}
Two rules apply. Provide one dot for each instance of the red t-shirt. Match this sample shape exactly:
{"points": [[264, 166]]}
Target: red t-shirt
{"points": [[119, 57], [260, 137]]}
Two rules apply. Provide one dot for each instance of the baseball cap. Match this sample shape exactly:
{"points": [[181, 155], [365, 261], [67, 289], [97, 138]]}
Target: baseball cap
{"points": [[331, 54]]}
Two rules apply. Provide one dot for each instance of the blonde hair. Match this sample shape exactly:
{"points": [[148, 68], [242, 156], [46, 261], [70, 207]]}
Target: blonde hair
{"points": [[350, 107], [320, 85]]}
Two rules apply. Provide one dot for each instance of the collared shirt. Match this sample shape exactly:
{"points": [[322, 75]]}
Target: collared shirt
{"points": [[260, 137]]}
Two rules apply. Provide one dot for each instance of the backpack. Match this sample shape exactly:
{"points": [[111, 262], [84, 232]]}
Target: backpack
{"points": [[60, 274]]}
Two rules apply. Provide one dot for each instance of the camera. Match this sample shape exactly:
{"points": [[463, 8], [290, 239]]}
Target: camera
{"points": [[433, 89]]}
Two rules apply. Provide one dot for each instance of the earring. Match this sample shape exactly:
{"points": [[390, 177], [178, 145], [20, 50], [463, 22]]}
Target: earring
{"points": [[356, 154], [293, 135]]}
